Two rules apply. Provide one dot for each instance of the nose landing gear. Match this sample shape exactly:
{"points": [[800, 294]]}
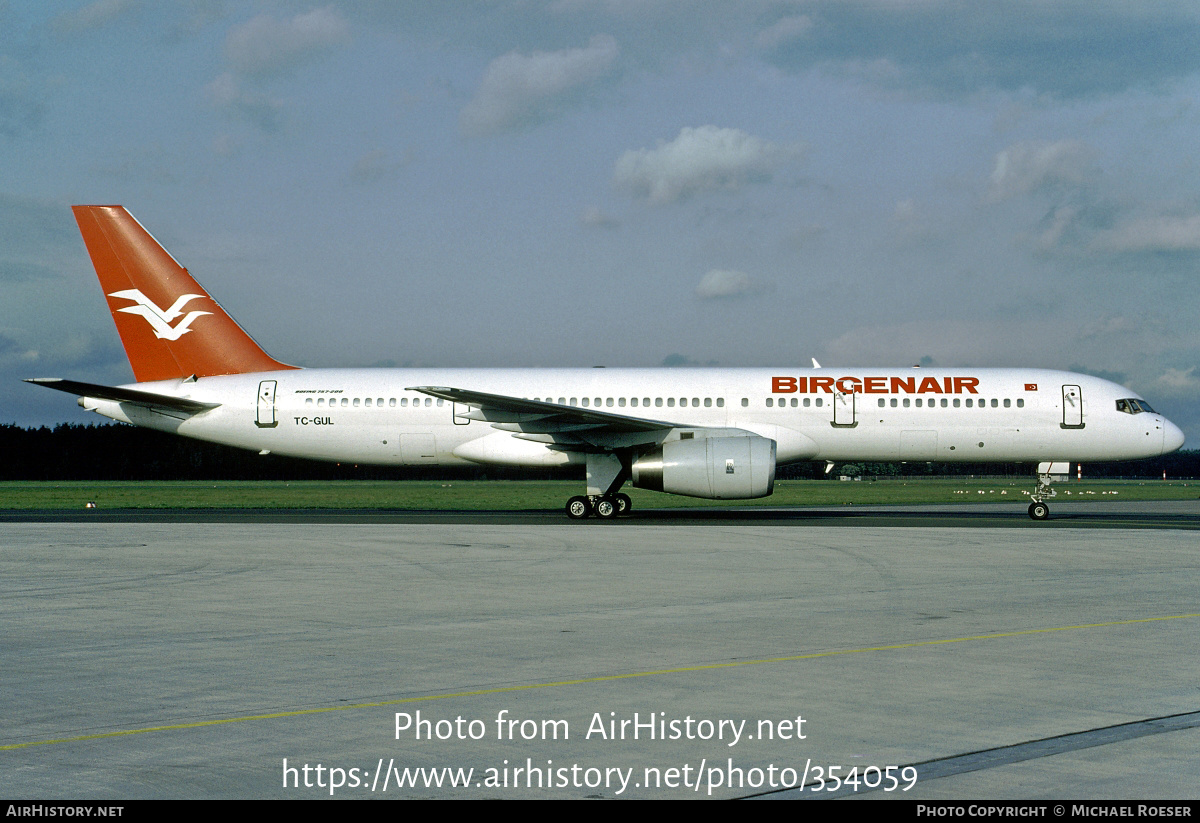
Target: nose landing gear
{"points": [[1039, 509]]}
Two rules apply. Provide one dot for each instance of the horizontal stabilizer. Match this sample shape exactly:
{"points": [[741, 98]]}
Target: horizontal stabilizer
{"points": [[140, 398]]}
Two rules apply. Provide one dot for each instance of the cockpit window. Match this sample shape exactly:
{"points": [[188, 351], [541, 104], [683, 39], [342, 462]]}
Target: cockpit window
{"points": [[1133, 406]]}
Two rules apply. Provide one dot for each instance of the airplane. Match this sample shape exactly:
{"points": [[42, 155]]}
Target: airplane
{"points": [[716, 433]]}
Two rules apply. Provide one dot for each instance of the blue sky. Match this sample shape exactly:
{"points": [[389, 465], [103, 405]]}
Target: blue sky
{"points": [[585, 182]]}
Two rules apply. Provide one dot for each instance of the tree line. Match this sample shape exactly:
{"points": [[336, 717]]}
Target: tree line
{"points": [[72, 451]]}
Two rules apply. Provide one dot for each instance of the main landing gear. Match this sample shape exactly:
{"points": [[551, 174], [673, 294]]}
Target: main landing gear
{"points": [[605, 507], [606, 473]]}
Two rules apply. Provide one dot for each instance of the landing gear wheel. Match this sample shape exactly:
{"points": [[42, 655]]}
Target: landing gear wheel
{"points": [[624, 504], [579, 507], [1039, 511], [606, 508]]}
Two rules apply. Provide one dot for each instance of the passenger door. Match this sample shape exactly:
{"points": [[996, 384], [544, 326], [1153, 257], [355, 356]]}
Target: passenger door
{"points": [[1072, 407], [266, 405]]}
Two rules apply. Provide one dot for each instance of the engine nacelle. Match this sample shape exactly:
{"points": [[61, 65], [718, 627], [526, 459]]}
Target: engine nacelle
{"points": [[717, 468]]}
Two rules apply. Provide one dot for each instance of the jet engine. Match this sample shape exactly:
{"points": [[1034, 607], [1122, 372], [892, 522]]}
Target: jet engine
{"points": [[717, 468]]}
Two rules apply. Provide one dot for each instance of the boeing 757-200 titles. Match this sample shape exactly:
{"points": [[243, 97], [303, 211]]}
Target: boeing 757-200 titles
{"points": [[711, 433]]}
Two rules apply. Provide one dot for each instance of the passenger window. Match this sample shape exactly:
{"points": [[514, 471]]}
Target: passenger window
{"points": [[367, 402], [708, 402], [670, 402], [609, 402], [882, 402], [957, 402], [1007, 403], [1020, 402], [995, 403], [970, 403], [621, 402], [820, 402], [745, 402], [770, 402], [944, 403], [658, 402], [895, 403], [720, 402]]}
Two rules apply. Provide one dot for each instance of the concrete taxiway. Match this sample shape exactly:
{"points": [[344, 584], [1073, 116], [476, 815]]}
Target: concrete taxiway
{"points": [[654, 657]]}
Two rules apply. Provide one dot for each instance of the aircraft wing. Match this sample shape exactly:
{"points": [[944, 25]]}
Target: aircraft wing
{"points": [[140, 398], [553, 423]]}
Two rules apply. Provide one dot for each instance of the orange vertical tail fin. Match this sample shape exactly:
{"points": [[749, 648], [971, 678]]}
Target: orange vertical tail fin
{"points": [[169, 325]]}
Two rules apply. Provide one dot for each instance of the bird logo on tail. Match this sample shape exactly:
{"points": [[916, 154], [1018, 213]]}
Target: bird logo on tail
{"points": [[160, 319]]}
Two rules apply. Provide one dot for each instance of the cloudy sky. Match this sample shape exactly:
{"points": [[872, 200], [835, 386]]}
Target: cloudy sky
{"points": [[620, 182]]}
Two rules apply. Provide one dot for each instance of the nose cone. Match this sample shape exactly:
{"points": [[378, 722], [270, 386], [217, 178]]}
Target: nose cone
{"points": [[1172, 437]]}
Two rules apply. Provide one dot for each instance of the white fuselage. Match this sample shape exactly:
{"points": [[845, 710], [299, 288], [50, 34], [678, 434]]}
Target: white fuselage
{"points": [[851, 414]]}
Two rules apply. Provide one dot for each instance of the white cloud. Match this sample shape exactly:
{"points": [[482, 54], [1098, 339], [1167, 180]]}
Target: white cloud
{"points": [[519, 90], [22, 103], [226, 93], [725, 283], [784, 31], [266, 46], [1023, 168], [1179, 380], [592, 216], [1165, 234], [1110, 326], [377, 165], [700, 159], [947, 341], [949, 47], [13, 353], [94, 15], [1057, 225]]}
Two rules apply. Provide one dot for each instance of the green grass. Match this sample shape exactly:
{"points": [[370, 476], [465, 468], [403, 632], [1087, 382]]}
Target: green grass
{"points": [[502, 495]]}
